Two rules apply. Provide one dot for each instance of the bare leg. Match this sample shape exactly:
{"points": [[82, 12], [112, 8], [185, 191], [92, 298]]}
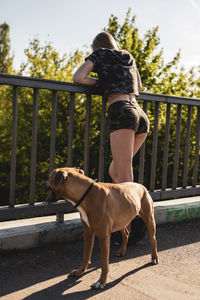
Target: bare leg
{"points": [[139, 140], [122, 143], [112, 172]]}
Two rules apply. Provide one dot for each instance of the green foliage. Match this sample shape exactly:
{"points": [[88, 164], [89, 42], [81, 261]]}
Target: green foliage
{"points": [[6, 60], [157, 76], [43, 61]]}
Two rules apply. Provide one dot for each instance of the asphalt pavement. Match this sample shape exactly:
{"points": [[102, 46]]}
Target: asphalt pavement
{"points": [[42, 273]]}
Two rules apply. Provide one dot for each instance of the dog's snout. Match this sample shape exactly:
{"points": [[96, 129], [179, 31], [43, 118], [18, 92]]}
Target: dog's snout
{"points": [[51, 194]]}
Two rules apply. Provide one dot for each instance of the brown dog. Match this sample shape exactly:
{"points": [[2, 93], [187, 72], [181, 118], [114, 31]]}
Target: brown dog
{"points": [[104, 209]]}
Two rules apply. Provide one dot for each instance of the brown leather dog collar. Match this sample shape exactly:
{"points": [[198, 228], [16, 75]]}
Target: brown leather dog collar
{"points": [[85, 194]]}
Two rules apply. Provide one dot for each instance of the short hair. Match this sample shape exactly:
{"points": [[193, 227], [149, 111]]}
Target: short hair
{"points": [[104, 40]]}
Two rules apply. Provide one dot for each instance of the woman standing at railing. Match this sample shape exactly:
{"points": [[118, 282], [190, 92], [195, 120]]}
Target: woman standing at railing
{"points": [[120, 81]]}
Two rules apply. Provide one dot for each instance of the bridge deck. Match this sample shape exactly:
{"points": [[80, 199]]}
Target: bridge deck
{"points": [[41, 273]]}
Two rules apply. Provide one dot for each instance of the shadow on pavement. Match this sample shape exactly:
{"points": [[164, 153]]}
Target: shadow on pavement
{"points": [[23, 269], [69, 282]]}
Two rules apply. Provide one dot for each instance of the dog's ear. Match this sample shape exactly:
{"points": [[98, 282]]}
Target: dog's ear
{"points": [[80, 171], [59, 178]]}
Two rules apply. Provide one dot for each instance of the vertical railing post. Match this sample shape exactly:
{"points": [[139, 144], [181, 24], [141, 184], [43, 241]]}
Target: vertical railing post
{"points": [[187, 147], [34, 147], [87, 135], [59, 217], [102, 141], [53, 131], [142, 153], [71, 129], [177, 147], [166, 148], [13, 148], [197, 148], [154, 147]]}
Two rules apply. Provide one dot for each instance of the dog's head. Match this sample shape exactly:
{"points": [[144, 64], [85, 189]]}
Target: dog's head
{"points": [[55, 183]]}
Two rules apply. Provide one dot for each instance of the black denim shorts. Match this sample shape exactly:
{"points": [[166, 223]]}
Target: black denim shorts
{"points": [[127, 114]]}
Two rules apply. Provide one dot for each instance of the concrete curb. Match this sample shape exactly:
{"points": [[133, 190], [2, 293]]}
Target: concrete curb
{"points": [[177, 210], [30, 233]]}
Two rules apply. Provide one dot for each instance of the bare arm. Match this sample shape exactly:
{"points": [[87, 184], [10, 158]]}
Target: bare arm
{"points": [[81, 75]]}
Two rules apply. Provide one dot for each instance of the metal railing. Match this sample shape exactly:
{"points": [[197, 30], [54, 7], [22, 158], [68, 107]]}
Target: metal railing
{"points": [[164, 192]]}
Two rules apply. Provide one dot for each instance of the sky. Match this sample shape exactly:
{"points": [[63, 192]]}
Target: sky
{"points": [[72, 24]]}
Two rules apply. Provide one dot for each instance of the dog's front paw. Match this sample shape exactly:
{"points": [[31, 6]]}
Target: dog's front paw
{"points": [[154, 260], [76, 272], [97, 286]]}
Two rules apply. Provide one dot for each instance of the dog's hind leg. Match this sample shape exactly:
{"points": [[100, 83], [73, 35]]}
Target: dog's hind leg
{"points": [[125, 234], [151, 226], [147, 213], [88, 246]]}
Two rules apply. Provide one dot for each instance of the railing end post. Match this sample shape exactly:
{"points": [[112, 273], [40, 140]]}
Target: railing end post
{"points": [[59, 217]]}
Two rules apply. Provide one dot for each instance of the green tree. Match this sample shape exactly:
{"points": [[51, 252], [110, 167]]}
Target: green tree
{"points": [[43, 61], [157, 76], [6, 60]]}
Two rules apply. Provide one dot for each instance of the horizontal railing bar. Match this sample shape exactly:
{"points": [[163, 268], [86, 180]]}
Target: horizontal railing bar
{"points": [[169, 99], [37, 210], [49, 84], [175, 193]]}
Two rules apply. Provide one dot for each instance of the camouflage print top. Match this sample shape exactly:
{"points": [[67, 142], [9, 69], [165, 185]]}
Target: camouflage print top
{"points": [[117, 71]]}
